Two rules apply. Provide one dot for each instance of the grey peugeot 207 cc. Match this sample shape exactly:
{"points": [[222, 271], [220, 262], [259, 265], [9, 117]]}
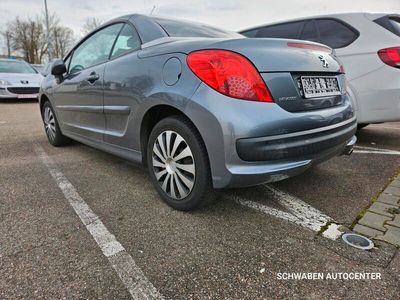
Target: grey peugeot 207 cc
{"points": [[201, 107]]}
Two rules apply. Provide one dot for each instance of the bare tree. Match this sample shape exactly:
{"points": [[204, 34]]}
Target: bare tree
{"points": [[91, 24], [62, 39], [7, 36], [29, 38]]}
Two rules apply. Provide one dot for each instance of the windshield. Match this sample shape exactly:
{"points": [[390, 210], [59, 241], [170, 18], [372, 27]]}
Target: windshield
{"points": [[16, 67], [186, 29]]}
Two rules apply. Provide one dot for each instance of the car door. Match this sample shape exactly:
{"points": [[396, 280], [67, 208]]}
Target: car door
{"points": [[79, 96], [122, 88]]}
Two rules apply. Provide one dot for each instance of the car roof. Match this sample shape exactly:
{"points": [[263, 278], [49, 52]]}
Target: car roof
{"points": [[142, 16], [147, 26], [371, 16]]}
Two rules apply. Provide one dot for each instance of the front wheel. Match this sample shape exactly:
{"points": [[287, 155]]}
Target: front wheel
{"points": [[178, 164], [53, 132]]}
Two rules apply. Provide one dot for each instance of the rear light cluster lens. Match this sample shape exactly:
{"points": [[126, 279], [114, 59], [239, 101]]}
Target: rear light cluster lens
{"points": [[390, 56], [230, 74]]}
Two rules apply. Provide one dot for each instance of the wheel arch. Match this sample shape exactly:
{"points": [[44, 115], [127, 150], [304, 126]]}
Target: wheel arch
{"points": [[152, 117], [43, 99]]}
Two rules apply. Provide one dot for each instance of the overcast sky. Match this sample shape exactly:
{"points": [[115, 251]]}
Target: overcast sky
{"points": [[230, 14]]}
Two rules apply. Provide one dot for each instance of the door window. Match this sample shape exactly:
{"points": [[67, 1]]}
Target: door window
{"points": [[128, 40], [334, 33], [95, 50]]}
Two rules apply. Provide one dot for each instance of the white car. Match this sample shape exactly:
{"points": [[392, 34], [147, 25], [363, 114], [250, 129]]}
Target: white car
{"points": [[369, 47], [18, 80]]}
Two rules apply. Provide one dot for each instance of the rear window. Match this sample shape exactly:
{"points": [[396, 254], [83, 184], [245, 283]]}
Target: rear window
{"points": [[396, 24], [309, 32], [391, 23], [284, 31], [250, 33], [335, 34], [186, 29]]}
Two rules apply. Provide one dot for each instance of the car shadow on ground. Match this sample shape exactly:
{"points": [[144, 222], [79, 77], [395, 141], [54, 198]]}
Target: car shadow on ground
{"points": [[386, 136]]}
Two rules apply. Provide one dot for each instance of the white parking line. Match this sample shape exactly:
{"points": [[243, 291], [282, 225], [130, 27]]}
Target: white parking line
{"points": [[130, 274], [377, 152], [299, 213], [371, 150], [388, 127]]}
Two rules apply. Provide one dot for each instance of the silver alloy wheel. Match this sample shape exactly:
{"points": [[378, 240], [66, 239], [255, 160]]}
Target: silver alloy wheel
{"points": [[49, 123], [173, 164]]}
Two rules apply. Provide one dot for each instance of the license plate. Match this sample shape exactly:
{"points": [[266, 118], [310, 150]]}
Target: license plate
{"points": [[314, 87], [27, 96]]}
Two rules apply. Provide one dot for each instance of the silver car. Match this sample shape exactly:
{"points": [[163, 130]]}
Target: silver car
{"points": [[369, 47], [201, 107], [18, 80]]}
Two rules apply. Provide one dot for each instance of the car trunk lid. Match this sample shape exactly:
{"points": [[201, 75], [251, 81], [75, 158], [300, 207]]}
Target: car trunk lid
{"points": [[301, 75]]}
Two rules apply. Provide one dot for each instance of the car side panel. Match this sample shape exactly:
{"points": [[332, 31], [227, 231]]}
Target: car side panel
{"points": [[79, 104], [378, 95], [133, 86], [124, 83], [376, 86]]}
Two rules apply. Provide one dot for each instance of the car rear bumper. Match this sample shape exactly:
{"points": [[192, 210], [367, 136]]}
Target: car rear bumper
{"points": [[279, 170], [298, 144], [249, 143]]}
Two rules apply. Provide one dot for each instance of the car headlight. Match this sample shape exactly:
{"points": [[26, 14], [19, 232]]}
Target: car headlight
{"points": [[4, 82]]}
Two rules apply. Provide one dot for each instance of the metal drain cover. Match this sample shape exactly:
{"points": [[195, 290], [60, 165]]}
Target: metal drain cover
{"points": [[358, 241]]}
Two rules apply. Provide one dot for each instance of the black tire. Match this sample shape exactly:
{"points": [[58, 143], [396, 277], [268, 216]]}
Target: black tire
{"points": [[56, 138], [202, 192], [361, 126]]}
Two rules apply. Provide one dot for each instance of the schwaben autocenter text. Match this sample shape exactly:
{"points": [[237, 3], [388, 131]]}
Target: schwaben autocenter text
{"points": [[328, 276]]}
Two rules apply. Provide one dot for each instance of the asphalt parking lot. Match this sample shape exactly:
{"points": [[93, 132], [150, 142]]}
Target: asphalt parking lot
{"points": [[227, 250]]}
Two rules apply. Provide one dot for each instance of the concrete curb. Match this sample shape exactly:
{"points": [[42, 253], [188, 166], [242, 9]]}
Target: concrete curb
{"points": [[382, 219]]}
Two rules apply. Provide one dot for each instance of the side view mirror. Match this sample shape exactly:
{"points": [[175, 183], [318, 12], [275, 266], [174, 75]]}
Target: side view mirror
{"points": [[58, 68]]}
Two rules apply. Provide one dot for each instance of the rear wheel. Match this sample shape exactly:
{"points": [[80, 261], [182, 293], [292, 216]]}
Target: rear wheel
{"points": [[53, 132], [178, 164]]}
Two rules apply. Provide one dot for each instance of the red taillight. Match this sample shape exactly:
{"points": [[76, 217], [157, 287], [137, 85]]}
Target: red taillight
{"points": [[309, 47], [390, 56], [229, 73], [342, 69]]}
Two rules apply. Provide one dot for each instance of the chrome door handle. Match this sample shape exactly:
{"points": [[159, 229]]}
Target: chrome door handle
{"points": [[92, 77]]}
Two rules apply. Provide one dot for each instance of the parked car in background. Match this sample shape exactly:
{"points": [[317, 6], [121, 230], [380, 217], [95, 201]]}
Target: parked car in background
{"points": [[369, 47], [202, 107], [18, 80], [38, 67], [47, 68]]}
